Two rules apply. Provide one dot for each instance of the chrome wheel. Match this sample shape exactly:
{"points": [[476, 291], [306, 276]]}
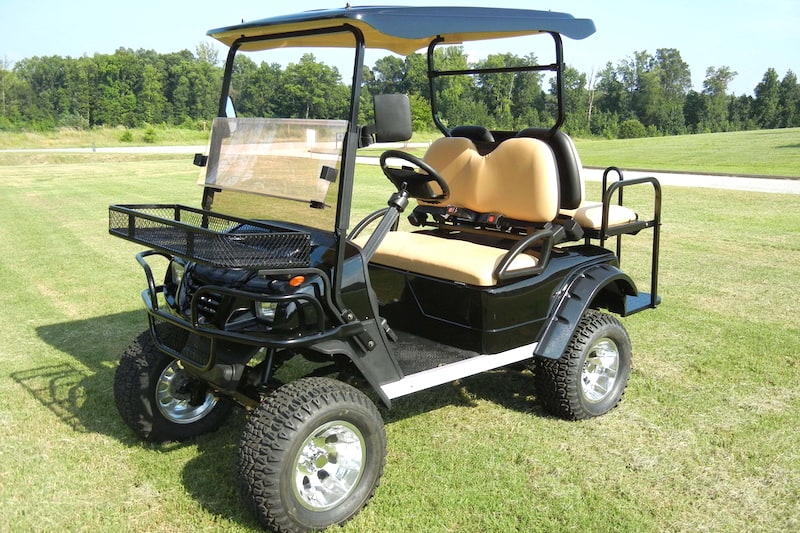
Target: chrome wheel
{"points": [[311, 455], [590, 377], [178, 398], [329, 465], [600, 370]]}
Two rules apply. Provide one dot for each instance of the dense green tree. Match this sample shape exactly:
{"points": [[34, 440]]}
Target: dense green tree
{"points": [[576, 101], [496, 90], [694, 111], [527, 97], [632, 129], [605, 124], [150, 97], [715, 105], [312, 90], [455, 100], [388, 76], [675, 80], [415, 78], [135, 88], [611, 95], [740, 113], [12, 97], [767, 97], [789, 101], [658, 86], [421, 119], [255, 87]]}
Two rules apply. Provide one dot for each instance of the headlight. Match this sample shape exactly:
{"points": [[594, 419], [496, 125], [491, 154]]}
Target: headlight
{"points": [[177, 271], [172, 282], [266, 310]]}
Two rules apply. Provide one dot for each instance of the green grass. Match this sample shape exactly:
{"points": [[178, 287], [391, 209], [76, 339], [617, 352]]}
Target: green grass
{"points": [[102, 137], [748, 153], [757, 153], [707, 438], [760, 153]]}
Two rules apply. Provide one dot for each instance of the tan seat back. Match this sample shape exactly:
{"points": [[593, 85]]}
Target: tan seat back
{"points": [[457, 160], [518, 179]]}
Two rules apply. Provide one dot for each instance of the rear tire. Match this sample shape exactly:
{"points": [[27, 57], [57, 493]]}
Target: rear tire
{"points": [[590, 377], [159, 399], [312, 455]]}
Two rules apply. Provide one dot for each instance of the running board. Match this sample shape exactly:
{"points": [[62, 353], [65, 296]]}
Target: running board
{"points": [[447, 373], [640, 302]]}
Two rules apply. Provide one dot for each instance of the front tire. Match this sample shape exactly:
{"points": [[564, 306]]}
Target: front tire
{"points": [[312, 455], [590, 377], [159, 399]]}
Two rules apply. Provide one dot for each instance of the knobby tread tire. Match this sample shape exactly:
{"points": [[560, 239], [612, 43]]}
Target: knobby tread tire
{"points": [[134, 394], [271, 440], [558, 382]]}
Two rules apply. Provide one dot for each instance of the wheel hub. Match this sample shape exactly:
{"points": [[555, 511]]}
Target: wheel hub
{"points": [[180, 387], [329, 465], [178, 397], [600, 370]]}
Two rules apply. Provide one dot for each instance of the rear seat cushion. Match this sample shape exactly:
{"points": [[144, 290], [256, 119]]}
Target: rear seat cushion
{"points": [[590, 215], [440, 257]]}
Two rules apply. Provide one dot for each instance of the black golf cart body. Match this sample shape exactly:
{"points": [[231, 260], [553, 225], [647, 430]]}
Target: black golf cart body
{"points": [[504, 259]]}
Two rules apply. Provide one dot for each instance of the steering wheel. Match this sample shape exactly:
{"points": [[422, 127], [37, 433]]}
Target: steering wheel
{"points": [[418, 184]]}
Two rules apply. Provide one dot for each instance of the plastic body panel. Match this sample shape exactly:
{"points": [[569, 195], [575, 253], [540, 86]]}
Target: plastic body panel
{"points": [[481, 319]]}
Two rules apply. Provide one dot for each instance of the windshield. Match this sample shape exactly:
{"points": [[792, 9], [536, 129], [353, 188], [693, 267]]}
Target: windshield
{"points": [[285, 167], [277, 155]]}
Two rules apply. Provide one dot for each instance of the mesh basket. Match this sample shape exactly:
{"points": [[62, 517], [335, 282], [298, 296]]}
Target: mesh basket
{"points": [[211, 238]]}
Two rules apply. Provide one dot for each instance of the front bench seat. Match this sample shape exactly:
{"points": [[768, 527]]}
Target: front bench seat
{"points": [[517, 179]]}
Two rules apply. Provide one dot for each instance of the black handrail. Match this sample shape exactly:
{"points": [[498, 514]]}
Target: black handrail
{"points": [[654, 223], [503, 272]]}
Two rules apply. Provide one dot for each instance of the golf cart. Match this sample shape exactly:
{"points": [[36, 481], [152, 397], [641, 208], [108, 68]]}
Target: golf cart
{"points": [[502, 261]]}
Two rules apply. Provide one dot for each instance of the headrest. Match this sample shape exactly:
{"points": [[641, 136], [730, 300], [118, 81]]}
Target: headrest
{"points": [[474, 133]]}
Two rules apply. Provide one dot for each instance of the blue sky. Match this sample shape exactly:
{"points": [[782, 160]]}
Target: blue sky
{"points": [[748, 36]]}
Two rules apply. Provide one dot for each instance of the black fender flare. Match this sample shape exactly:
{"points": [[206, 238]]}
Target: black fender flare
{"points": [[597, 286]]}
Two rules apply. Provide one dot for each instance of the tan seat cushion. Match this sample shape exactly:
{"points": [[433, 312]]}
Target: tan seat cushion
{"points": [[450, 259], [589, 215]]}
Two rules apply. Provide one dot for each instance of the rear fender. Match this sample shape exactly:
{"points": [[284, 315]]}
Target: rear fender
{"points": [[599, 286]]}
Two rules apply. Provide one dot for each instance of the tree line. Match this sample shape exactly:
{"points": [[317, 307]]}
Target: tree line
{"points": [[642, 95]]}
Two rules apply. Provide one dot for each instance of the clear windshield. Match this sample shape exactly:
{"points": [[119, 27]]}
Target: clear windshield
{"points": [[286, 168]]}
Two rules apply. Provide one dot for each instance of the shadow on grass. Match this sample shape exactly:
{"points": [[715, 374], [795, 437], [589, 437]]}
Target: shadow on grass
{"points": [[510, 387], [80, 393]]}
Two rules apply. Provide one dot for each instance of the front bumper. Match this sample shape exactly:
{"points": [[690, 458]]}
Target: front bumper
{"points": [[210, 341]]}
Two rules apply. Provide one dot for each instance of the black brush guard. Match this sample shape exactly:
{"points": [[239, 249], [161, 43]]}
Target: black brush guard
{"points": [[223, 241]]}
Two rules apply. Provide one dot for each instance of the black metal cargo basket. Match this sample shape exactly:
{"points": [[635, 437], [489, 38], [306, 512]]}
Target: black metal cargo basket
{"points": [[209, 237]]}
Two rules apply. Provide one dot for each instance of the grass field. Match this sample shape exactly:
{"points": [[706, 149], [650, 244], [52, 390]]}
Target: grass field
{"points": [[707, 438], [741, 153], [760, 153], [757, 153]]}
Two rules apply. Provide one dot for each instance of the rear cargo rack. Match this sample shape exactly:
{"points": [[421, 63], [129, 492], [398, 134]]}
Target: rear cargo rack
{"points": [[211, 238]]}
